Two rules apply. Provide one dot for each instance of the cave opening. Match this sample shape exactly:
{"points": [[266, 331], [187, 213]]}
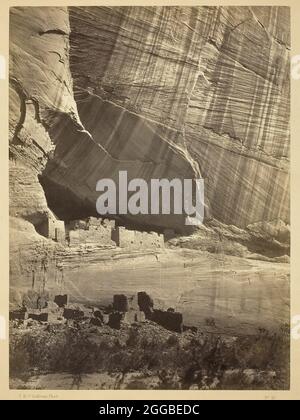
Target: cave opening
{"points": [[66, 206], [64, 203]]}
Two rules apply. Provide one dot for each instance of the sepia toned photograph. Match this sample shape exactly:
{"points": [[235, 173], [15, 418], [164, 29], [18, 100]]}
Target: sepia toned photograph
{"points": [[149, 188]]}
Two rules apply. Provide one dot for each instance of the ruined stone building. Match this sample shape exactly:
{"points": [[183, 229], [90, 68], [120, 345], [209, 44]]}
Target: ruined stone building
{"points": [[92, 230], [98, 231], [52, 228], [133, 239]]}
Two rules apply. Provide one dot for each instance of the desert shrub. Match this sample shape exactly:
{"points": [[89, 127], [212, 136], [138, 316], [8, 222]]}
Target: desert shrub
{"points": [[78, 354], [133, 337], [262, 351], [172, 341], [179, 360], [19, 362], [122, 361]]}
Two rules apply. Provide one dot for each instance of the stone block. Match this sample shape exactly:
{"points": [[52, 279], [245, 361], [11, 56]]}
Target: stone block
{"points": [[38, 316], [70, 313], [115, 319], [44, 317], [61, 300], [145, 303], [18, 314], [120, 303], [172, 321]]}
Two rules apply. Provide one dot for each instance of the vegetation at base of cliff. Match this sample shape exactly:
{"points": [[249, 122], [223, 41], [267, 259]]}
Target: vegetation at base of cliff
{"points": [[191, 360]]}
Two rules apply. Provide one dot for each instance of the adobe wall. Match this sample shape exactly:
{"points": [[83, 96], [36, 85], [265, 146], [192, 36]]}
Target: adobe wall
{"points": [[132, 239], [104, 232], [123, 237], [90, 231], [53, 228]]}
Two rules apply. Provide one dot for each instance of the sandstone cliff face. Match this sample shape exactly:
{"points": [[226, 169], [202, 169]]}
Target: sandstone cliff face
{"points": [[215, 79], [169, 92], [40, 91], [159, 92]]}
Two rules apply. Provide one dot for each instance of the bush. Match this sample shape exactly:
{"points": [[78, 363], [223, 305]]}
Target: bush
{"points": [[180, 360]]}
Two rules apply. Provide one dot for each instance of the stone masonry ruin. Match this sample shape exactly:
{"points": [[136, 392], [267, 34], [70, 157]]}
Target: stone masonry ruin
{"points": [[98, 231], [124, 310]]}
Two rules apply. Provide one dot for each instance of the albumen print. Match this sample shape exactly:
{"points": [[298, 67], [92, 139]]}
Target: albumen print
{"points": [[149, 198]]}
